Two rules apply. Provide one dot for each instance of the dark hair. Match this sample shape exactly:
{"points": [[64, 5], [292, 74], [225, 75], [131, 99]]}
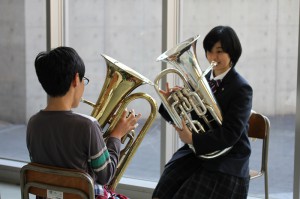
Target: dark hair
{"points": [[229, 40], [56, 70]]}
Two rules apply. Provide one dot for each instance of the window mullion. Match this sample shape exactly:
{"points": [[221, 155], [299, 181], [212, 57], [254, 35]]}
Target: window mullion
{"points": [[55, 23], [170, 37]]}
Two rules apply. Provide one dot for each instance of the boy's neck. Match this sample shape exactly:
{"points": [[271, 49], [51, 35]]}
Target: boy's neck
{"points": [[58, 104]]}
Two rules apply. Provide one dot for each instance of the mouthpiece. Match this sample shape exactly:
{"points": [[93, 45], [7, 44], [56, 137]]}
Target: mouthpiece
{"points": [[213, 64], [87, 102]]}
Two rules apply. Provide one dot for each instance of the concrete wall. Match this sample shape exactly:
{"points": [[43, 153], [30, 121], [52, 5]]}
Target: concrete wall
{"points": [[12, 61], [127, 32], [35, 24], [268, 31], [130, 31]]}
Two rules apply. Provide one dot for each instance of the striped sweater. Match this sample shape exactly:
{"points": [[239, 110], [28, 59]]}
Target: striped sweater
{"points": [[71, 140]]}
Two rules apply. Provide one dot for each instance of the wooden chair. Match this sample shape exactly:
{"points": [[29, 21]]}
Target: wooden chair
{"points": [[259, 128], [46, 181]]}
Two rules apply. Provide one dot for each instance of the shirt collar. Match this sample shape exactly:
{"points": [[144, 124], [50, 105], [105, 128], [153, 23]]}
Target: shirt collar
{"points": [[219, 77]]}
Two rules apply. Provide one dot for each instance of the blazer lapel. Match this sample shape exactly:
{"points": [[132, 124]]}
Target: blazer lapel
{"points": [[225, 81]]}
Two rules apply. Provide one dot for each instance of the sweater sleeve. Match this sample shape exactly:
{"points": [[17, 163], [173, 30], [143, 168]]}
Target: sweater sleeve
{"points": [[104, 157]]}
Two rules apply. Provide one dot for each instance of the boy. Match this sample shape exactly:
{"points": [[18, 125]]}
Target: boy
{"points": [[57, 136]]}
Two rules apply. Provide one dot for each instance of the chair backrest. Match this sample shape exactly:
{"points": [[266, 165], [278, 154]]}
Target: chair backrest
{"points": [[46, 181], [259, 128]]}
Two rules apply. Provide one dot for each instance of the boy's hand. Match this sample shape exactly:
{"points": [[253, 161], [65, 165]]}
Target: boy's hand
{"points": [[126, 123]]}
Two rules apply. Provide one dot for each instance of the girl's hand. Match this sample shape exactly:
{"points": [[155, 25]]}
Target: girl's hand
{"points": [[185, 134], [168, 91]]}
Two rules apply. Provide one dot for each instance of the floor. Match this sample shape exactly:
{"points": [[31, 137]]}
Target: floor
{"points": [[9, 191], [281, 156]]}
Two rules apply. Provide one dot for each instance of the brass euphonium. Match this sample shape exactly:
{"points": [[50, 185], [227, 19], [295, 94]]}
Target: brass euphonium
{"points": [[115, 96], [196, 95]]}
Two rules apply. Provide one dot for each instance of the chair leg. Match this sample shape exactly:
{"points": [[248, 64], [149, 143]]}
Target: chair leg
{"points": [[266, 185]]}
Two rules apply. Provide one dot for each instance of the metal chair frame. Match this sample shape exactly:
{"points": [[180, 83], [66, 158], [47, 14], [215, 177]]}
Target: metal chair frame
{"points": [[259, 128], [42, 180]]}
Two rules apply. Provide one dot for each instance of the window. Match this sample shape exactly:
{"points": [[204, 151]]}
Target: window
{"points": [[131, 34], [268, 62]]}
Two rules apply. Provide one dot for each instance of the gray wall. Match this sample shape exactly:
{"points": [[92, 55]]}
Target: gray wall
{"points": [[12, 61], [35, 42], [22, 36], [268, 31], [130, 31], [127, 32]]}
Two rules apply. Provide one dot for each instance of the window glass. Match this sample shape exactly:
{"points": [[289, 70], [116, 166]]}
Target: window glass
{"points": [[129, 32], [21, 93], [268, 31]]}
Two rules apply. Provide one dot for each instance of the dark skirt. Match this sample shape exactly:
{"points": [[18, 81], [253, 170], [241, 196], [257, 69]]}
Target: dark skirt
{"points": [[187, 179]]}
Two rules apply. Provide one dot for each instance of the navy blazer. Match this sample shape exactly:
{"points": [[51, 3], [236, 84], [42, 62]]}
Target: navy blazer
{"points": [[234, 97]]}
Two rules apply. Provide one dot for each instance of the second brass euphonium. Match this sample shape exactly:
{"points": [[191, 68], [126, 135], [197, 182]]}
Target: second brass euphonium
{"points": [[114, 97], [196, 95]]}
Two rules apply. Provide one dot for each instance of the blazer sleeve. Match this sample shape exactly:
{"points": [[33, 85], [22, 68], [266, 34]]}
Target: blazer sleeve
{"points": [[164, 113], [237, 105]]}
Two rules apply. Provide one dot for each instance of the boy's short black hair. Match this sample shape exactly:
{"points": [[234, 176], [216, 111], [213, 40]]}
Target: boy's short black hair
{"points": [[229, 41], [57, 68]]}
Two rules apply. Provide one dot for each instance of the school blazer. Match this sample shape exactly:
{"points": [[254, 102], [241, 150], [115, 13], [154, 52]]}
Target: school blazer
{"points": [[234, 97]]}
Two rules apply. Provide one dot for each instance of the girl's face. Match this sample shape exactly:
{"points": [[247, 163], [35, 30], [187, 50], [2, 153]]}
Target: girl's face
{"points": [[221, 57]]}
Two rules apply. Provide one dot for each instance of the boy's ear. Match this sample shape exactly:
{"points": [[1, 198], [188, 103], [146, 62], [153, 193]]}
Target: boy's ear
{"points": [[76, 80]]}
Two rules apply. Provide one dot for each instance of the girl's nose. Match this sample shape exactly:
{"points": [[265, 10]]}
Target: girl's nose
{"points": [[212, 56]]}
